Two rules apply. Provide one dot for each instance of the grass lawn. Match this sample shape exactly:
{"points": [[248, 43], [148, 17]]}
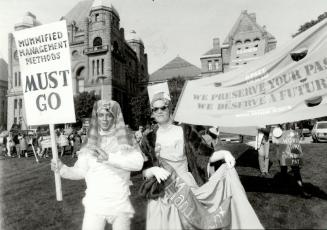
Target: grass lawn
{"points": [[27, 194]]}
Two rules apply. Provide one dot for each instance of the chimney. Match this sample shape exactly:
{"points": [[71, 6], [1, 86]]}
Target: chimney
{"points": [[216, 43], [253, 17]]}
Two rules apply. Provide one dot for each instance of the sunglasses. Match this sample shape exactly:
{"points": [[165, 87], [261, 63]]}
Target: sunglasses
{"points": [[163, 108]]}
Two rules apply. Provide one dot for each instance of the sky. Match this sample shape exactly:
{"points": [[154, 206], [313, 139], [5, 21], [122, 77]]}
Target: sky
{"points": [[171, 28]]}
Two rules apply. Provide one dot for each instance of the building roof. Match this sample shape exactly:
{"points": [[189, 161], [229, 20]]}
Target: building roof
{"points": [[79, 12], [3, 70], [244, 16], [212, 52], [82, 10], [178, 67]]}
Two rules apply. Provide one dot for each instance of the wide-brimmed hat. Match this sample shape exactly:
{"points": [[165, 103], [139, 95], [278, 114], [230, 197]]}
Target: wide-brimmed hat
{"points": [[214, 130]]}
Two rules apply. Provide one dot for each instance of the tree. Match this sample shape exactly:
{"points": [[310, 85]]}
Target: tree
{"points": [[83, 106], [140, 108], [175, 85], [307, 25]]}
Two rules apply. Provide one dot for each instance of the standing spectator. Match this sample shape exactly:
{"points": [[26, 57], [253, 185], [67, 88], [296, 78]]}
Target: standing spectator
{"points": [[22, 145], [10, 144], [17, 145], [63, 142], [263, 151], [46, 145], [77, 143], [71, 141], [290, 154]]}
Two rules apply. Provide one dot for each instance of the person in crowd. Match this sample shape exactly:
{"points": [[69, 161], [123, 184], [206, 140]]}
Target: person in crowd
{"points": [[263, 151], [211, 137], [179, 192], [77, 143], [45, 141], [63, 142], [71, 141], [105, 161], [22, 145], [17, 145], [139, 134], [290, 153], [10, 144]]}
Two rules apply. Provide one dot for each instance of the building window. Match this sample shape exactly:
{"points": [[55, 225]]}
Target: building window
{"points": [[247, 41], [20, 103], [15, 104], [19, 79], [97, 42], [98, 67], [102, 66], [237, 57], [15, 81], [256, 45], [93, 67], [256, 40], [216, 64], [96, 18], [238, 42], [209, 65], [80, 85]]}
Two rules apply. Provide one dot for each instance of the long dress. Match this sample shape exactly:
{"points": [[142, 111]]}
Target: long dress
{"points": [[224, 184]]}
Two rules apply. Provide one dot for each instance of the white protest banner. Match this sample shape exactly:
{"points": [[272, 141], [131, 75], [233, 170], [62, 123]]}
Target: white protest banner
{"points": [[44, 59], [287, 84]]}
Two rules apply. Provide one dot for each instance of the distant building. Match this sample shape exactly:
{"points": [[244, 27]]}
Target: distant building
{"points": [[3, 93], [178, 67], [100, 55], [245, 42], [211, 61]]}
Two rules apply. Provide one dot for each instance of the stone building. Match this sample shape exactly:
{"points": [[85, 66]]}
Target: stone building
{"points": [[3, 93], [245, 42], [101, 57]]}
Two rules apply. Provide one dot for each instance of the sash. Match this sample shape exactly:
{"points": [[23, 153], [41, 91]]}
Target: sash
{"points": [[196, 214]]}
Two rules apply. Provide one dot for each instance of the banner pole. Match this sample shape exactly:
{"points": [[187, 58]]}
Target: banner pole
{"points": [[55, 159]]}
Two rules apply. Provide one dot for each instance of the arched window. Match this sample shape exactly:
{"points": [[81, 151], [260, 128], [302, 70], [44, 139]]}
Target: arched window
{"points": [[97, 41], [238, 42], [256, 39], [80, 76], [247, 41]]}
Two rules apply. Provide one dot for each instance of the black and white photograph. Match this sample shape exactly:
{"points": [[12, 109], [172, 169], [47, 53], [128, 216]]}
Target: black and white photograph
{"points": [[163, 114]]}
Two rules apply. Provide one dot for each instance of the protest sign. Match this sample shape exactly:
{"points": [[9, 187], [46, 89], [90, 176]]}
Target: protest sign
{"points": [[287, 84], [44, 59]]}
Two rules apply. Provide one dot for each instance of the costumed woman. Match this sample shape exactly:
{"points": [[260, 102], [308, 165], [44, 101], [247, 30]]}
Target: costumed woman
{"points": [[180, 194], [105, 162]]}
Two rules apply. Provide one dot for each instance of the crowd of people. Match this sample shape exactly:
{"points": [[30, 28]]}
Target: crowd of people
{"points": [[23, 145]]}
